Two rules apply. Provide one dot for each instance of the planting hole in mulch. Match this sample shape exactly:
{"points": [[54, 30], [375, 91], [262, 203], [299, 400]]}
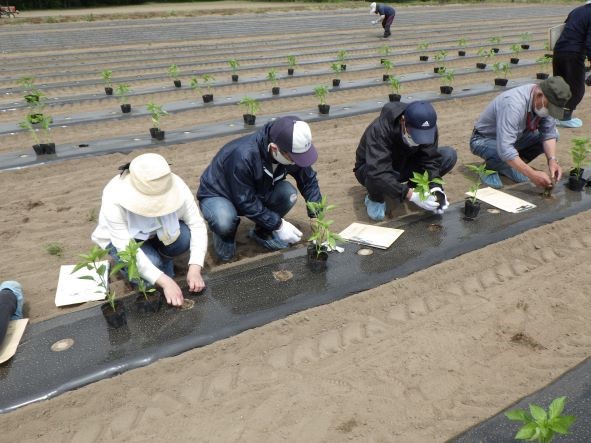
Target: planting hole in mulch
{"points": [[83, 145], [524, 339], [434, 227], [493, 211], [282, 275], [62, 345], [364, 251], [187, 304]]}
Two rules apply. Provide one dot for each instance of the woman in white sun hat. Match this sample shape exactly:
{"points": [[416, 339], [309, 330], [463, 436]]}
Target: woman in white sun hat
{"points": [[149, 203]]}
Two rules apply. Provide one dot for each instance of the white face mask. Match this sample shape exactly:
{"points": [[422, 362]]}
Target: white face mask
{"points": [[279, 158], [541, 112], [407, 139]]}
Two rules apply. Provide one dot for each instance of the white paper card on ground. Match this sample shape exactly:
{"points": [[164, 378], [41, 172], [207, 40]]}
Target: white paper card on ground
{"points": [[376, 236], [14, 333], [72, 290], [502, 200]]}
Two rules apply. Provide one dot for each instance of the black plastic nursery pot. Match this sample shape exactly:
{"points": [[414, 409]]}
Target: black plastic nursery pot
{"points": [[548, 55], [446, 89], [234, 77], [108, 90], [44, 148], [514, 60], [126, 109], [323, 109], [501, 81], [576, 183], [495, 50], [207, 98], [249, 119], [343, 67], [150, 303], [117, 317], [32, 98], [462, 53], [386, 77], [436, 69], [481, 65], [382, 60], [316, 261], [275, 90], [157, 133], [423, 58], [289, 71], [336, 82], [542, 75], [394, 97], [471, 209], [177, 83], [525, 47]]}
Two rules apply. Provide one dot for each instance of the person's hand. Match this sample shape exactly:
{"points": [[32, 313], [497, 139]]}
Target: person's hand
{"points": [[441, 199], [555, 170], [287, 233], [374, 22], [172, 292], [429, 204], [194, 279], [375, 210], [540, 179]]}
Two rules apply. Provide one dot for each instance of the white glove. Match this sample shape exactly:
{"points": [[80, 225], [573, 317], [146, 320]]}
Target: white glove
{"points": [[374, 22], [443, 206], [430, 204], [287, 233]]}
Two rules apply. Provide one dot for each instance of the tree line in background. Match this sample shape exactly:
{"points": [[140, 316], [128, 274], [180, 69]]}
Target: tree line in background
{"points": [[24, 5]]}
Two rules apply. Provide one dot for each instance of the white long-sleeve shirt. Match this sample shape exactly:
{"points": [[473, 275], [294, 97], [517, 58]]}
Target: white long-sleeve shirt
{"points": [[113, 228]]}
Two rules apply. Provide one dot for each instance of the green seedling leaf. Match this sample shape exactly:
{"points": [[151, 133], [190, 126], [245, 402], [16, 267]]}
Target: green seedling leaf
{"points": [[556, 407]]}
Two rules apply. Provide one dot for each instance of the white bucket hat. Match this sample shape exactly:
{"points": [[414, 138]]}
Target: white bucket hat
{"points": [[372, 8], [149, 188]]}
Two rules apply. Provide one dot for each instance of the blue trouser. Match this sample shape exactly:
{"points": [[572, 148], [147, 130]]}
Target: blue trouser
{"points": [[7, 309], [449, 157], [161, 255], [223, 218], [528, 146]]}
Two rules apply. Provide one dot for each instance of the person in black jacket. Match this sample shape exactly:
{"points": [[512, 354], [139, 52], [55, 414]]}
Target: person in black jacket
{"points": [[402, 140], [388, 12], [568, 59], [247, 178]]}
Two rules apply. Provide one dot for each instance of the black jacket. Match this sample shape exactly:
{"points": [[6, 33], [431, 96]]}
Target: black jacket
{"points": [[382, 151], [576, 36], [242, 172]]}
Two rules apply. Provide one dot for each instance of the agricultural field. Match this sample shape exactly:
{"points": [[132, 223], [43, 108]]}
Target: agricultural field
{"points": [[418, 359]]}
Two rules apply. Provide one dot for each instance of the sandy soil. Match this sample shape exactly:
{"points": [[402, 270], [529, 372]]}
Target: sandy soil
{"points": [[418, 359]]}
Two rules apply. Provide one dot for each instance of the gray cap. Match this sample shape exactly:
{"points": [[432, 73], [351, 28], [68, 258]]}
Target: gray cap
{"points": [[558, 93]]}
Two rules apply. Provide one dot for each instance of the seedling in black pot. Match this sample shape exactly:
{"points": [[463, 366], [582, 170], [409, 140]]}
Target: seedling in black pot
{"points": [[173, 72], [107, 76], [472, 205], [234, 65], [156, 113], [579, 152], [113, 310], [396, 88], [322, 239], [252, 107], [321, 92], [273, 77], [122, 91]]}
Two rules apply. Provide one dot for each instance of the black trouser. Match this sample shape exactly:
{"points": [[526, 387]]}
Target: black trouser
{"points": [[571, 67], [7, 309], [449, 158]]}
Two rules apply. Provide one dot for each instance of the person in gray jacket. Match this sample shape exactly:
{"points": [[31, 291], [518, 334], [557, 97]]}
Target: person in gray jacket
{"points": [[516, 127]]}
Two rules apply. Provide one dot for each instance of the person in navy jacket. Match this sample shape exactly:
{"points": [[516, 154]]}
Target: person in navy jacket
{"points": [[387, 12], [568, 59], [247, 178]]}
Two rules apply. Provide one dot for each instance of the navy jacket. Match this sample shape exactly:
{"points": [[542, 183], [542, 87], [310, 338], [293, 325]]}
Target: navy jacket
{"points": [[242, 172], [576, 36], [382, 151], [385, 10]]}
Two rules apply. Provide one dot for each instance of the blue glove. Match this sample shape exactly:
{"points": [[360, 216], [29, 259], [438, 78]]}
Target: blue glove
{"points": [[375, 210]]}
